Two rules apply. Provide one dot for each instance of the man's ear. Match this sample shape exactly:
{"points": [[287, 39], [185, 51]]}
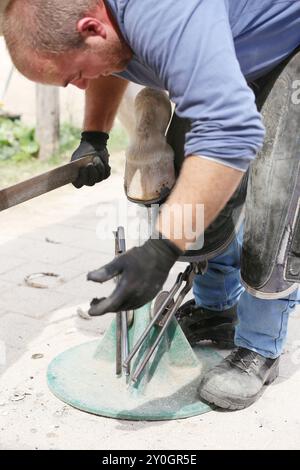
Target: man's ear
{"points": [[91, 27]]}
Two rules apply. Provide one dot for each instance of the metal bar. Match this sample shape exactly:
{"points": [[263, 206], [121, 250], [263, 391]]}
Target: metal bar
{"points": [[121, 240], [141, 340], [118, 319], [41, 184], [125, 342], [121, 321], [118, 344]]}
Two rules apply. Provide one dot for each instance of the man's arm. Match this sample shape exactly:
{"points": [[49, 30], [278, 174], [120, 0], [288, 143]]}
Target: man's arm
{"points": [[143, 270], [102, 100], [201, 181]]}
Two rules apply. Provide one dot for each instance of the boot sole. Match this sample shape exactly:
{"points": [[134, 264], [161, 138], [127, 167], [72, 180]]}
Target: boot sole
{"points": [[220, 344], [227, 404], [218, 338], [223, 344]]}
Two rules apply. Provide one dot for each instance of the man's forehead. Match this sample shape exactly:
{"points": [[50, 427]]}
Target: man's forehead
{"points": [[43, 70]]}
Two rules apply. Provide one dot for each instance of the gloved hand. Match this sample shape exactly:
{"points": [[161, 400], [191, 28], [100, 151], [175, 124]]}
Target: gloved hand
{"points": [[142, 272], [92, 143]]}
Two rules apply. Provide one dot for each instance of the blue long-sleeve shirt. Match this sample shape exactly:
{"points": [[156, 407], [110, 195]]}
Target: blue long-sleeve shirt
{"points": [[203, 52]]}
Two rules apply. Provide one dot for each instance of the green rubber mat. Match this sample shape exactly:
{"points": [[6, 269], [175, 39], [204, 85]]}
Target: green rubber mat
{"points": [[84, 376]]}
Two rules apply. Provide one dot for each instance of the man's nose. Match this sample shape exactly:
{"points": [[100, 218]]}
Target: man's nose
{"points": [[82, 83]]}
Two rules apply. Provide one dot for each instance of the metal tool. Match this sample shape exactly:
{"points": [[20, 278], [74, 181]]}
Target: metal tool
{"points": [[122, 345], [164, 316], [43, 183]]}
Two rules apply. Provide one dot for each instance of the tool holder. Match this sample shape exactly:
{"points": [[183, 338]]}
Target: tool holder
{"points": [[143, 368], [162, 316]]}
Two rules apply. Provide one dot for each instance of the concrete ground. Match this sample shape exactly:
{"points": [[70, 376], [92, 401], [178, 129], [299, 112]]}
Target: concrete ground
{"points": [[57, 234]]}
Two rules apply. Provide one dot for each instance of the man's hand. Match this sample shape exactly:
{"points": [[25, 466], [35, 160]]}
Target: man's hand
{"points": [[102, 99], [92, 143], [142, 272]]}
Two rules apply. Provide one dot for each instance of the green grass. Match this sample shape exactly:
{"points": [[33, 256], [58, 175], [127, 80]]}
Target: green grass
{"points": [[13, 170]]}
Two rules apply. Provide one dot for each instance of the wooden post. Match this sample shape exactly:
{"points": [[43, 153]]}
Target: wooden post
{"points": [[47, 120]]}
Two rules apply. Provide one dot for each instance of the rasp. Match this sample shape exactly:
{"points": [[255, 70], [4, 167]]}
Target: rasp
{"points": [[43, 183]]}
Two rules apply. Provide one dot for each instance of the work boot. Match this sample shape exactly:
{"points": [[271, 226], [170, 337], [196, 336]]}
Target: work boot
{"points": [[238, 380], [199, 324]]}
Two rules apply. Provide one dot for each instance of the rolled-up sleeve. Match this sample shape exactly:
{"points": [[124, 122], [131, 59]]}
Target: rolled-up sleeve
{"points": [[191, 49]]}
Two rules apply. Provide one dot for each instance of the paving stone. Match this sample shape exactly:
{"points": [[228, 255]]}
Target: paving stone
{"points": [[41, 251], [73, 237], [4, 286], [8, 262], [36, 303], [68, 321], [79, 287], [88, 261], [10, 354], [17, 330]]}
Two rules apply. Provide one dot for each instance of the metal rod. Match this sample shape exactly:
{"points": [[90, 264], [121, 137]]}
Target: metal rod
{"points": [[121, 240], [125, 342], [169, 316], [118, 318], [121, 320], [118, 344], [141, 340]]}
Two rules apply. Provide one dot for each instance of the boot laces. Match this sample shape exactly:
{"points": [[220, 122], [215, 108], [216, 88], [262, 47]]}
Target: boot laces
{"points": [[243, 359]]}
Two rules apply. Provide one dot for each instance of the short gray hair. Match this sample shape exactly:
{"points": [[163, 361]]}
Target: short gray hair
{"points": [[45, 25]]}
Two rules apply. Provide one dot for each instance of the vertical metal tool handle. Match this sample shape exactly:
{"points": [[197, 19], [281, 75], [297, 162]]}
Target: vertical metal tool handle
{"points": [[122, 344]]}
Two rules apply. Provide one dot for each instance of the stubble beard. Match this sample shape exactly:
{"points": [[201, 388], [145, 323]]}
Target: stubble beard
{"points": [[116, 54]]}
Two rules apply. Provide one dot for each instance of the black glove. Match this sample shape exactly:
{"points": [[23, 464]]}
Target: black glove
{"points": [[142, 272], [92, 143]]}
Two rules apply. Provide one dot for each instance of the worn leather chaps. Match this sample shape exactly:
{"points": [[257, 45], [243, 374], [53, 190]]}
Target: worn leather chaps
{"points": [[268, 197]]}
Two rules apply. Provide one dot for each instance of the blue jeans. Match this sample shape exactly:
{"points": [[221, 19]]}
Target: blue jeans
{"points": [[262, 324]]}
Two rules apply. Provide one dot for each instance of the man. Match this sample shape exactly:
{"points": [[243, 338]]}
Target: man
{"points": [[200, 51]]}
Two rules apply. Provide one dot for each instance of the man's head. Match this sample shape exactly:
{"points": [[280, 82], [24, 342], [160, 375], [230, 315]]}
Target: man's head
{"points": [[60, 42]]}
